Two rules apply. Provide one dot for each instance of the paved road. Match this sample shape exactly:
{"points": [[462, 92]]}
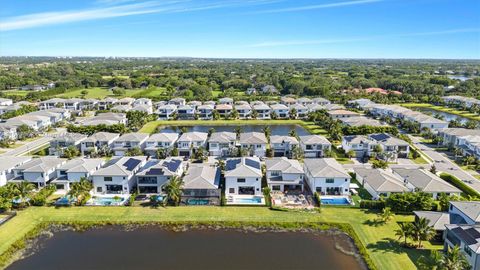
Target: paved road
{"points": [[444, 164], [33, 145]]}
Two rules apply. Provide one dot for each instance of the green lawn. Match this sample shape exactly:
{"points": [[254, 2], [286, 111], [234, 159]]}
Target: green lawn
{"points": [[379, 239], [151, 127], [96, 92], [150, 92], [17, 92]]}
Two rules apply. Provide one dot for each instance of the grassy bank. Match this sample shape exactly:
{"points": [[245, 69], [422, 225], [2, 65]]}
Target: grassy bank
{"points": [[466, 114], [151, 127], [379, 240]]}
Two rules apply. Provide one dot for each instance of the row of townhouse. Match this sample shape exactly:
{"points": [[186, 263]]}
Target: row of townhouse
{"points": [[384, 182], [78, 104], [460, 227], [38, 121], [399, 112], [107, 119], [468, 140], [205, 111], [218, 144], [391, 147], [461, 101]]}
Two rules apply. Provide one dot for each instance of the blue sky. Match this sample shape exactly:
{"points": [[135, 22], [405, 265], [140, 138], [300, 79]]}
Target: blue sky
{"points": [[242, 28]]}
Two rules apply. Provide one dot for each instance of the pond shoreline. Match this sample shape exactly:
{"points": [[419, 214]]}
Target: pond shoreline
{"points": [[351, 244]]}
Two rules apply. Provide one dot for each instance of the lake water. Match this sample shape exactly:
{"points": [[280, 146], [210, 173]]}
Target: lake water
{"points": [[276, 129], [447, 116], [459, 77], [156, 248]]}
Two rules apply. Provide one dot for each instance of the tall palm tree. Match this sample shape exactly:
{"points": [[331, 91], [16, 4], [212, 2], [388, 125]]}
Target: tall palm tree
{"points": [[220, 164], [453, 260], [22, 191], [421, 231], [405, 231], [238, 130], [174, 190], [267, 131]]}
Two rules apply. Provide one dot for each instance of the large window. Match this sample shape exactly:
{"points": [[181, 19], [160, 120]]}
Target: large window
{"points": [[275, 173], [241, 180], [330, 180], [107, 179]]}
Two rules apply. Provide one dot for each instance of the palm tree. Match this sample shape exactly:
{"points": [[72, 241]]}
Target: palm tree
{"points": [[405, 231], [386, 215], [174, 191], [22, 191], [267, 131], [293, 133], [220, 164], [421, 231], [238, 130], [80, 190], [453, 260]]}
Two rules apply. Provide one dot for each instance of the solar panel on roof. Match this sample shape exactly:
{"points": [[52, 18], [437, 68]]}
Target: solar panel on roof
{"points": [[252, 163], [232, 164], [469, 240], [473, 232], [131, 163], [380, 136], [172, 165], [154, 171]]}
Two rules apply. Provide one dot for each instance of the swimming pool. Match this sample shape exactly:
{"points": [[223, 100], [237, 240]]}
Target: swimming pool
{"points": [[254, 200], [107, 201], [66, 200], [198, 202], [335, 201]]}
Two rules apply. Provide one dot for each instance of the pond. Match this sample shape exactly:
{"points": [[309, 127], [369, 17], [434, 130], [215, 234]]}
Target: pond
{"points": [[276, 129], [446, 116], [152, 247]]}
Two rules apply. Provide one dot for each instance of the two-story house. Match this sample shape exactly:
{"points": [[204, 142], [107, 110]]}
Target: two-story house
{"points": [[156, 173], [64, 141], [166, 112], [254, 142], [243, 176], [314, 146], [205, 112], [326, 176], [262, 110], [74, 170], [7, 164], [201, 185], [186, 112], [284, 174], [38, 171], [190, 141], [117, 176], [282, 146], [162, 140], [98, 141], [128, 142], [222, 143], [244, 110], [281, 111]]}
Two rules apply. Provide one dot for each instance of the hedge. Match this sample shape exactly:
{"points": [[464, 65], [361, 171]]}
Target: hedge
{"points": [[459, 184], [371, 204]]}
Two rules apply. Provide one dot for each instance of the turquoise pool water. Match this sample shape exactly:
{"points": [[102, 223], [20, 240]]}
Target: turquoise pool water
{"points": [[107, 201], [335, 201], [254, 200], [197, 202]]}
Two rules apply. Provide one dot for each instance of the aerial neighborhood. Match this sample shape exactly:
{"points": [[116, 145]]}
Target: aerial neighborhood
{"points": [[291, 153]]}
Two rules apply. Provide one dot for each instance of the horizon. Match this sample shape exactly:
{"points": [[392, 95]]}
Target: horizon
{"points": [[254, 29]]}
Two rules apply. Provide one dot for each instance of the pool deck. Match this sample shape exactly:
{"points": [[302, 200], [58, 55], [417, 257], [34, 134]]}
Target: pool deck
{"points": [[233, 200]]}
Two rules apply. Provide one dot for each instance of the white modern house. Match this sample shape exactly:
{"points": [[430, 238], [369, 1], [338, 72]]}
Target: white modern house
{"points": [[391, 147], [186, 112], [224, 109], [117, 176], [156, 173], [284, 174], [162, 140], [222, 143], [282, 146], [128, 142], [8, 164], [64, 141], [301, 111], [201, 185], [262, 110], [190, 141], [280, 110], [38, 171], [314, 146], [98, 141], [74, 170], [166, 112], [243, 176], [254, 142], [205, 112], [244, 110], [326, 176]]}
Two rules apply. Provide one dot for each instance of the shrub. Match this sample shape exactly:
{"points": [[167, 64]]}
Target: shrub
{"points": [[317, 199], [459, 184], [371, 204], [40, 198]]}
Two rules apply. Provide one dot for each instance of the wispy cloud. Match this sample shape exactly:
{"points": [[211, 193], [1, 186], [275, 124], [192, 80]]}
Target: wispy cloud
{"points": [[319, 6], [281, 43], [111, 9]]}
